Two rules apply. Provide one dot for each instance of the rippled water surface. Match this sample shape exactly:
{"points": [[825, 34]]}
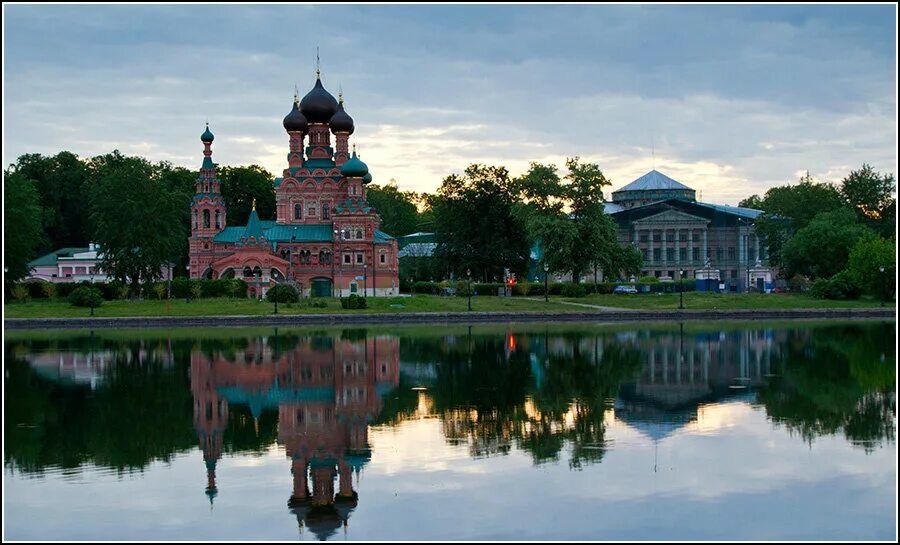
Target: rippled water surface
{"points": [[720, 431]]}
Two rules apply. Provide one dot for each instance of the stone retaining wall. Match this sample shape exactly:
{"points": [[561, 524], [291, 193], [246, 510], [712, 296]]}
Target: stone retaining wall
{"points": [[445, 317]]}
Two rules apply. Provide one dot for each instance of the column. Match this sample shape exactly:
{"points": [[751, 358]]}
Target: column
{"points": [[756, 246], [650, 248], [690, 248], [677, 245], [742, 259], [703, 249]]}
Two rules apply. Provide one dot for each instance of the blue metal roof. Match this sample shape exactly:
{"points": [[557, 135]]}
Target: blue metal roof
{"points": [[737, 211], [654, 180], [300, 233], [381, 236]]}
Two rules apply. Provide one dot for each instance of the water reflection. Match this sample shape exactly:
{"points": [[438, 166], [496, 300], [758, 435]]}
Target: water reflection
{"points": [[122, 400]]}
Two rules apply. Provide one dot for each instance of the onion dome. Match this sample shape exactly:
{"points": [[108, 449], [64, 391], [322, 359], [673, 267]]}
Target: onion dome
{"points": [[206, 136], [354, 168], [367, 178], [295, 121], [318, 106], [341, 121]]}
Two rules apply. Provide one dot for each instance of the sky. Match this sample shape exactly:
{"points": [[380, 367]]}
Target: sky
{"points": [[730, 100]]}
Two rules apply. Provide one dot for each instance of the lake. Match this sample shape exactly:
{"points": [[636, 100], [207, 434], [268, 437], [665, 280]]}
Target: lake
{"points": [[693, 431]]}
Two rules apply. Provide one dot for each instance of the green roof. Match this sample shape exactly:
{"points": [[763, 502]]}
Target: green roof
{"points": [[253, 229], [300, 233], [353, 206], [52, 257], [381, 236]]}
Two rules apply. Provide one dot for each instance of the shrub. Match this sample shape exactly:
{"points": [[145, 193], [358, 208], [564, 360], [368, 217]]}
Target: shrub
{"points": [[486, 288], [35, 289], [49, 289], [432, 288], [181, 287], [353, 302], [573, 290], [20, 292], [838, 287], [283, 293], [521, 288], [318, 303], [462, 287], [798, 283], [648, 280], [85, 296], [606, 287], [195, 290], [160, 290]]}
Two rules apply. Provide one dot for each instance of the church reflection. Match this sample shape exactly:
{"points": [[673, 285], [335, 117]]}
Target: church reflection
{"points": [[326, 391]]}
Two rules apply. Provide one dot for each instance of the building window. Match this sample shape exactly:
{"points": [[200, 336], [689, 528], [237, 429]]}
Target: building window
{"points": [[383, 259], [696, 256], [682, 254], [644, 237], [346, 259], [195, 219], [359, 258], [646, 254], [218, 219], [670, 254], [719, 253], [345, 234], [670, 236], [311, 209], [657, 254], [206, 219], [731, 254], [359, 234], [305, 256], [298, 211], [325, 256], [326, 210]]}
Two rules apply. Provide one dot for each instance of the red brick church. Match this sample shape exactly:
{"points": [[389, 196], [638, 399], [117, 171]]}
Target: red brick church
{"points": [[324, 239]]}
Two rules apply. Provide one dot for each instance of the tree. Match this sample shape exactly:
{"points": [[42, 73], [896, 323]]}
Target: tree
{"points": [[21, 224], [179, 181], [822, 248], [240, 185], [475, 227], [789, 208], [397, 209], [59, 181], [753, 201], [864, 263], [870, 194], [137, 222]]}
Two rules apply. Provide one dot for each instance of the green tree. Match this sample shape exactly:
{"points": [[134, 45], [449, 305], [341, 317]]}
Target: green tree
{"points": [[59, 181], [397, 209], [179, 182], [866, 259], [240, 186], [475, 227], [870, 194], [822, 248], [21, 224], [789, 208], [136, 219]]}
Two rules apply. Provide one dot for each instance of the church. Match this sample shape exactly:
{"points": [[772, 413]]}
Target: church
{"points": [[325, 238]]}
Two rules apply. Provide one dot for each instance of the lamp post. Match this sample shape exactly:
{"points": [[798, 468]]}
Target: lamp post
{"points": [[91, 298], [681, 289], [187, 294], [365, 279], [169, 290], [881, 270], [275, 298], [469, 287], [546, 270]]}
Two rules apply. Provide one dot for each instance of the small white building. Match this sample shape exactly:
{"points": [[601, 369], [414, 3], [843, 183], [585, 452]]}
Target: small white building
{"points": [[74, 265]]}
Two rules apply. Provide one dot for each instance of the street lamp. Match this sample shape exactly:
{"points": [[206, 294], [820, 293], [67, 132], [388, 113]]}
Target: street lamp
{"points": [[681, 289], [365, 279], [91, 298], [881, 270], [187, 294], [469, 287], [546, 270], [169, 290]]}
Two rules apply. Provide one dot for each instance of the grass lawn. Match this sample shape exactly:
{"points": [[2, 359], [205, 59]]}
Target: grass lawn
{"points": [[708, 301], [61, 308]]}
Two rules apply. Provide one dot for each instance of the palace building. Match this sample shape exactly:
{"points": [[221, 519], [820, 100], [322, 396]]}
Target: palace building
{"points": [[325, 238]]}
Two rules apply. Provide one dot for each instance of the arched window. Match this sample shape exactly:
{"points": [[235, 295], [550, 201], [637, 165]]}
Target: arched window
{"points": [[195, 219], [206, 219], [298, 211], [218, 220], [247, 272], [257, 271], [325, 256], [359, 234]]}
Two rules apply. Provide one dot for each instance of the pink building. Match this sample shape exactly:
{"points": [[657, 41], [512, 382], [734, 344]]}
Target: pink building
{"points": [[75, 265], [325, 238]]}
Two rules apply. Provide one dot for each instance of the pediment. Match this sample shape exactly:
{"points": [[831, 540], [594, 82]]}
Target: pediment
{"points": [[673, 216]]}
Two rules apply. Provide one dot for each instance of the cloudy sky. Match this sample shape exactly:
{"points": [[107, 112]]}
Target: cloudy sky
{"points": [[730, 100]]}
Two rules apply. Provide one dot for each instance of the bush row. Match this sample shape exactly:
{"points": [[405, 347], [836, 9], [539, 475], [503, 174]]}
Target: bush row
{"points": [[566, 289], [839, 286], [181, 287]]}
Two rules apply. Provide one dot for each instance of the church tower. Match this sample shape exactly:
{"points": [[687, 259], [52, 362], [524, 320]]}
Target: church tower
{"points": [[207, 210]]}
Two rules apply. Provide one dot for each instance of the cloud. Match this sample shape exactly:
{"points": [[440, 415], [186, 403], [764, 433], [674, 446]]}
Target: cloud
{"points": [[734, 99]]}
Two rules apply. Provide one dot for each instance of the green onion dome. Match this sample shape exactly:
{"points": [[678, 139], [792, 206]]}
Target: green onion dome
{"points": [[295, 121], [354, 168], [207, 136], [318, 106], [367, 178]]}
